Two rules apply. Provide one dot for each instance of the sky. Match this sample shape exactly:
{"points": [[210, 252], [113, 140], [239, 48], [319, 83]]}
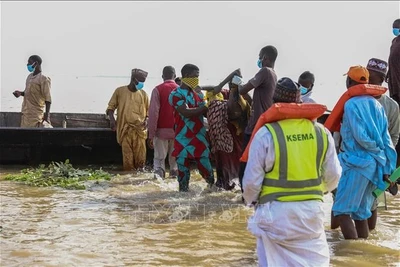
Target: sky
{"points": [[79, 41]]}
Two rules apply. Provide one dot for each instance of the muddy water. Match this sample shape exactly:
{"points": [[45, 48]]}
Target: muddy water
{"points": [[139, 221]]}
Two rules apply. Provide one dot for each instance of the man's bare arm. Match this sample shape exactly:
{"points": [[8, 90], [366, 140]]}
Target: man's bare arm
{"points": [[245, 88], [46, 114], [110, 114], [218, 88]]}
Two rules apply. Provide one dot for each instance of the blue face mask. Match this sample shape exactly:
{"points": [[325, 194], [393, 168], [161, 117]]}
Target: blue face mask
{"points": [[31, 68], [396, 31], [140, 85], [303, 90], [259, 63]]}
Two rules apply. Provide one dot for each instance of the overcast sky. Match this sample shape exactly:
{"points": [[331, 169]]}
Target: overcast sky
{"points": [[109, 38]]}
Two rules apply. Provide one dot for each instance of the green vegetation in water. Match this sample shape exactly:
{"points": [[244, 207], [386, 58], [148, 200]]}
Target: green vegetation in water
{"points": [[59, 174]]}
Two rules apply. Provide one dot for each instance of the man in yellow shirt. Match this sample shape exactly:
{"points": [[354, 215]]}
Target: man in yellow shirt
{"points": [[37, 99], [132, 105]]}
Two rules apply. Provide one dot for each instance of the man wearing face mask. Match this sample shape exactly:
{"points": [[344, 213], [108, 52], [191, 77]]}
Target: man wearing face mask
{"points": [[393, 76], [190, 142], [37, 97], [306, 81], [132, 105], [263, 83]]}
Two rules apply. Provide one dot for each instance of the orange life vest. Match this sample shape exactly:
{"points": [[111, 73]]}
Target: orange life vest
{"points": [[335, 118], [283, 111]]}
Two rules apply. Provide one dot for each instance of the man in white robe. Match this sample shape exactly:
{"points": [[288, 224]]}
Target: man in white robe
{"points": [[289, 233]]}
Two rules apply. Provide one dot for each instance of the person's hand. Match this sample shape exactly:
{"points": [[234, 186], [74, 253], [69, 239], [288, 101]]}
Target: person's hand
{"points": [[393, 189], [386, 179], [237, 72], [237, 80], [251, 205], [113, 124], [46, 117], [17, 93], [202, 103], [150, 143], [144, 124]]}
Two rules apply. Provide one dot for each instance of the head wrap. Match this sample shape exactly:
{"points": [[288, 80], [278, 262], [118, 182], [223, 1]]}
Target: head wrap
{"points": [[287, 91]]}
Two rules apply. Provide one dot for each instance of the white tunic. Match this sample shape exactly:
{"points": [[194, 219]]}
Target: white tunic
{"points": [[307, 98], [288, 233]]}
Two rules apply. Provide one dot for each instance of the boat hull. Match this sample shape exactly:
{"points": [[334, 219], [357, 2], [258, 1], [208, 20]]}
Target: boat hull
{"points": [[87, 141]]}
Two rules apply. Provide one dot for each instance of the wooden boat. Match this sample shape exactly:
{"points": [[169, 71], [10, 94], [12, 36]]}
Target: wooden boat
{"points": [[87, 139]]}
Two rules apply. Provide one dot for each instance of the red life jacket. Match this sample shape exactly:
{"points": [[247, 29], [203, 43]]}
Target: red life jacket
{"points": [[166, 113], [283, 111], [335, 118]]}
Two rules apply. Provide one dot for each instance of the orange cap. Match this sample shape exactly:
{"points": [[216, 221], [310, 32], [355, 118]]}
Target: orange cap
{"points": [[358, 74]]}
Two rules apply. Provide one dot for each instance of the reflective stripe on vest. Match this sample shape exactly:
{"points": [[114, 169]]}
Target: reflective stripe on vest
{"points": [[300, 149]]}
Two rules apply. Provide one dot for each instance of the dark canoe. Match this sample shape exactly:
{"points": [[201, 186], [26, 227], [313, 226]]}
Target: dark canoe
{"points": [[87, 139]]}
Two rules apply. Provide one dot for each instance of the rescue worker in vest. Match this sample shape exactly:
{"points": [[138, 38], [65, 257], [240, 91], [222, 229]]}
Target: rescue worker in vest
{"points": [[367, 157], [291, 164], [161, 124]]}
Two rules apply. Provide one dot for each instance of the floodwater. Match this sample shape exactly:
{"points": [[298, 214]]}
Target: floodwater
{"points": [[139, 221]]}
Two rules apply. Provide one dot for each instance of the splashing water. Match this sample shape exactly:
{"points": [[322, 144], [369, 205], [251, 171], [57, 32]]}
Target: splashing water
{"points": [[137, 220]]}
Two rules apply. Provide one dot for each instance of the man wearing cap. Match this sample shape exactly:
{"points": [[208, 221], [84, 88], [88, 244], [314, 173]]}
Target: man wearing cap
{"points": [[367, 157], [377, 69], [289, 218], [132, 105]]}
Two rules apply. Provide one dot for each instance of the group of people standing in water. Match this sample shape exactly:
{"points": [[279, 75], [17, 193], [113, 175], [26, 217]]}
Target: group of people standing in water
{"points": [[290, 160]]}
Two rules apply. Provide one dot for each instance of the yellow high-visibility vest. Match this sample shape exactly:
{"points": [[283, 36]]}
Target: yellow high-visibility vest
{"points": [[300, 149]]}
